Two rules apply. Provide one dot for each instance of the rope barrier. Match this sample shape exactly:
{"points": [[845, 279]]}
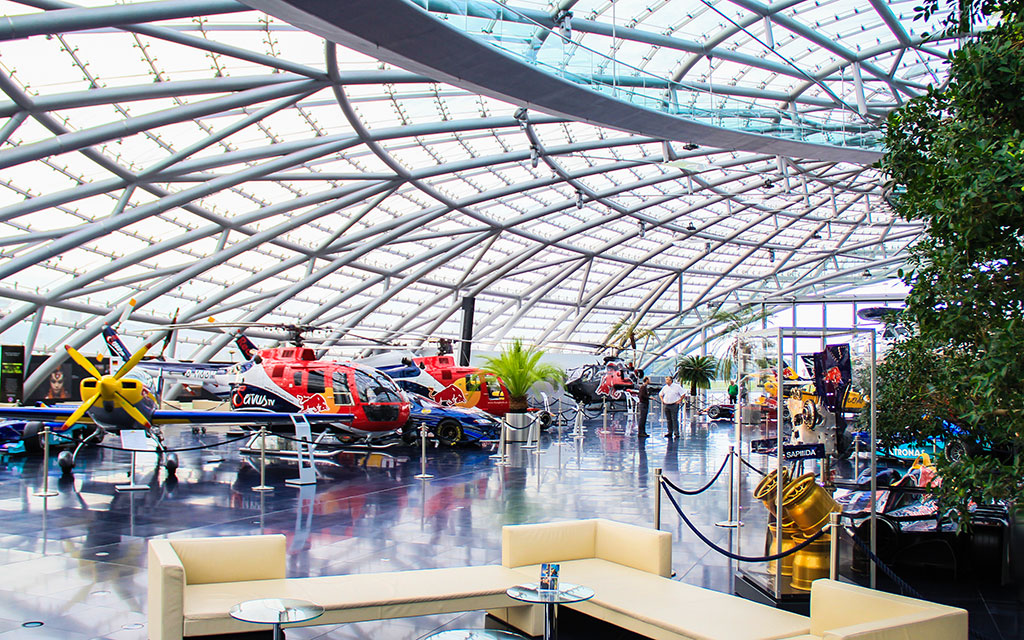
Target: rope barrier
{"points": [[752, 467], [692, 492], [905, 588], [735, 556], [162, 449]]}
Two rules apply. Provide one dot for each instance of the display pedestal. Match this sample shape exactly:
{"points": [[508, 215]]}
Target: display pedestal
{"points": [[759, 587]]}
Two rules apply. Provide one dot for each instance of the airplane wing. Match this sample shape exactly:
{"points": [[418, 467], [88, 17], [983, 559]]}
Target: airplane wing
{"points": [[270, 418], [42, 414]]}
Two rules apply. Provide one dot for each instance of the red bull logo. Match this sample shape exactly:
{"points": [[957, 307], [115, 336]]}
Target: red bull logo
{"points": [[607, 387], [314, 404], [450, 396]]}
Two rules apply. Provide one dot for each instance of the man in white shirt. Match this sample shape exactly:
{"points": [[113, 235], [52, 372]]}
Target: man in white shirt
{"points": [[671, 396]]}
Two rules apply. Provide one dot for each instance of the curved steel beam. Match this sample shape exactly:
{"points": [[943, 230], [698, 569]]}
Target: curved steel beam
{"points": [[414, 40]]}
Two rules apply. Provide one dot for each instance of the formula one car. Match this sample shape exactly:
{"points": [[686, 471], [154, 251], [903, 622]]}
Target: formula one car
{"points": [[449, 425]]}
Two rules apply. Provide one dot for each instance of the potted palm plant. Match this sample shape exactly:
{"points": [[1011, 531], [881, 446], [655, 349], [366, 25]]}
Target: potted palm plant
{"points": [[698, 371], [519, 367]]}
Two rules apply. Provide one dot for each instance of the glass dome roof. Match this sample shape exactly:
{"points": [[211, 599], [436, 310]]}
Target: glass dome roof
{"points": [[205, 159]]}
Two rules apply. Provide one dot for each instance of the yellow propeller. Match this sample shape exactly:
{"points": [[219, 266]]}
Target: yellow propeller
{"points": [[111, 390]]}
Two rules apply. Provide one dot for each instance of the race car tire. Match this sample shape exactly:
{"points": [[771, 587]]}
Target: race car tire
{"points": [[32, 436], [449, 432], [714, 412], [954, 452]]}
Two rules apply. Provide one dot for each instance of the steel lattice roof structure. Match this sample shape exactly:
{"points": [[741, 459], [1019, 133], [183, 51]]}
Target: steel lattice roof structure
{"points": [[566, 165]]}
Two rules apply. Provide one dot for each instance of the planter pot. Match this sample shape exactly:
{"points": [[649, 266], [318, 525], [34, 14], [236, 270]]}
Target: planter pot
{"points": [[516, 429]]}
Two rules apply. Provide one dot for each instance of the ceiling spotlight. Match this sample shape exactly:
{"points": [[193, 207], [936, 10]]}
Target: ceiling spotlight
{"points": [[866, 274], [690, 227], [521, 114], [768, 184], [690, 146], [643, 228], [707, 247], [579, 199], [816, 236], [534, 156], [771, 255]]}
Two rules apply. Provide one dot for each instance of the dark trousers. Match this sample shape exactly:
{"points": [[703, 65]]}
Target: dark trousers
{"points": [[641, 419], [672, 418]]}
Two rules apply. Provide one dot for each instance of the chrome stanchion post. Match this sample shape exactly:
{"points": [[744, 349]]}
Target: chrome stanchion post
{"points": [[833, 554], [423, 475], [263, 461], [604, 416], [46, 493], [732, 521], [657, 497]]}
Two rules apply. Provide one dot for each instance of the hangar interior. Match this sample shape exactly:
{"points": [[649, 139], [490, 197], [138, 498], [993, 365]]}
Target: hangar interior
{"points": [[640, 178]]}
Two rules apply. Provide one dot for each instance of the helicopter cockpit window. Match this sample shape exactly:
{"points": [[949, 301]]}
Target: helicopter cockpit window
{"points": [[342, 395], [315, 382], [493, 388], [472, 382], [373, 389], [297, 378]]}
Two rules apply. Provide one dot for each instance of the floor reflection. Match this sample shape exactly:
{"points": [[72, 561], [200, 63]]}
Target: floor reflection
{"points": [[76, 561]]}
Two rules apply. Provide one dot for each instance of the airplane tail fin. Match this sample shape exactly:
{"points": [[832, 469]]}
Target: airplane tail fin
{"points": [[117, 348]]}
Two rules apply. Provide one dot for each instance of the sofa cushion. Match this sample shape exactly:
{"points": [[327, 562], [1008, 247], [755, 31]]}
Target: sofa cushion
{"points": [[548, 542], [356, 597], [836, 605], [622, 594], [638, 547], [231, 558]]}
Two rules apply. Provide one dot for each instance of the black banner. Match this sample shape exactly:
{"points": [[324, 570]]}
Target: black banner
{"points": [[790, 452], [12, 373]]}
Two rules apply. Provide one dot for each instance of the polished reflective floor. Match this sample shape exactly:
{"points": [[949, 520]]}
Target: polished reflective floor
{"points": [[75, 562]]}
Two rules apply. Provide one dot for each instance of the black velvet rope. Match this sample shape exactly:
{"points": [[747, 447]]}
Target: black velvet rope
{"points": [[752, 467], [735, 556], [161, 449], [905, 588], [693, 492]]}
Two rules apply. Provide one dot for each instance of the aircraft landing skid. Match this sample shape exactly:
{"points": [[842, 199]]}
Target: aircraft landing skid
{"points": [[281, 448]]}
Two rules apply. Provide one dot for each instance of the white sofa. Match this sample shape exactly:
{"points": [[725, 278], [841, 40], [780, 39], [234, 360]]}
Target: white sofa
{"points": [[628, 569], [194, 582]]}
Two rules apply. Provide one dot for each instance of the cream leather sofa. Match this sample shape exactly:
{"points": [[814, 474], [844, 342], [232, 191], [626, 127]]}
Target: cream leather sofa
{"points": [[628, 569], [194, 582]]}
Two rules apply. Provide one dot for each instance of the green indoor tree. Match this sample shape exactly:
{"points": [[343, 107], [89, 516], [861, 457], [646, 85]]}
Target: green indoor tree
{"points": [[697, 371], [519, 367], [955, 162]]}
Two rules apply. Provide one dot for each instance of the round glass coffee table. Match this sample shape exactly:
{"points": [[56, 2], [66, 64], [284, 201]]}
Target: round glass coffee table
{"points": [[276, 611], [565, 594]]}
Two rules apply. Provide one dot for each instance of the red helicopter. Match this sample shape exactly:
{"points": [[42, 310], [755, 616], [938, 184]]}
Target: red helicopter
{"points": [[439, 378], [293, 379]]}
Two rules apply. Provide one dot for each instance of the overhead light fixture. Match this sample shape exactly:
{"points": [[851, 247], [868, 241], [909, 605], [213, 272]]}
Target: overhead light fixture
{"points": [[579, 199], [534, 156], [866, 274], [771, 255], [690, 227], [768, 184], [643, 228], [690, 146], [521, 114], [707, 247]]}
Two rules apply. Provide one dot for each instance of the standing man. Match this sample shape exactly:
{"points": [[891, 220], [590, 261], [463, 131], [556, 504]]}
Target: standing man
{"points": [[671, 395], [733, 391], [643, 398]]}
